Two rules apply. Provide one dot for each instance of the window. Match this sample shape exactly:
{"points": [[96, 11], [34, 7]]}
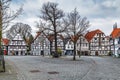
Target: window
{"points": [[68, 46], [97, 34], [70, 42], [83, 45], [83, 40], [71, 46], [95, 38], [103, 38]]}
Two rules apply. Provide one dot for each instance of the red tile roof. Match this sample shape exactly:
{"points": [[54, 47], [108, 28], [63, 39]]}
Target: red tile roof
{"points": [[115, 33], [5, 41], [91, 34], [38, 33], [51, 37], [74, 38]]}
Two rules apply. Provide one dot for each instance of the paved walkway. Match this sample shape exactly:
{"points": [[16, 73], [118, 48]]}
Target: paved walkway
{"points": [[85, 68], [10, 73]]}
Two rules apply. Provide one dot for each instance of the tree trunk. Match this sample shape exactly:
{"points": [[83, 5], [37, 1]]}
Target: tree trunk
{"points": [[56, 54], [64, 47], [80, 46], [51, 48], [55, 33], [1, 52], [0, 23], [74, 55]]}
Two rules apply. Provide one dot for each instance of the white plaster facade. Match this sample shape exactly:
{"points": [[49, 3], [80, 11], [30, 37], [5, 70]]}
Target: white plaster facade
{"points": [[99, 45], [83, 46], [40, 45], [17, 46]]}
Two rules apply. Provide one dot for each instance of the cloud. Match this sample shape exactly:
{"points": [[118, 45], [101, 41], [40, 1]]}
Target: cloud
{"points": [[102, 14], [106, 25]]}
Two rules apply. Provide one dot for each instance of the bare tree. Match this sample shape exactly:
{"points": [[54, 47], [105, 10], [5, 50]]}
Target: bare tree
{"points": [[23, 29], [52, 15], [43, 28], [6, 16], [77, 27]]}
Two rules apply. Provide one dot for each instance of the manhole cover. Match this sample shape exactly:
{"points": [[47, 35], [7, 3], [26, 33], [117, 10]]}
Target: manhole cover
{"points": [[53, 72], [34, 71]]}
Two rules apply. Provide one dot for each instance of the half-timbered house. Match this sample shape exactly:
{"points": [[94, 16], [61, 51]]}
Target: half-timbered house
{"points": [[83, 46], [98, 42], [40, 45], [17, 46]]}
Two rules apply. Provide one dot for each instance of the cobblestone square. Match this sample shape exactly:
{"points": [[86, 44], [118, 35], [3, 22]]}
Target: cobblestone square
{"points": [[84, 68]]}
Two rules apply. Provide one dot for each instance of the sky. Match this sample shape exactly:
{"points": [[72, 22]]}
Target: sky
{"points": [[102, 14]]}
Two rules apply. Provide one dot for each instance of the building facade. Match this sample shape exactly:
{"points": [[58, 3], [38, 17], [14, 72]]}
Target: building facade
{"points": [[115, 41], [69, 48], [59, 43], [17, 46], [98, 42], [40, 45], [83, 46], [5, 43]]}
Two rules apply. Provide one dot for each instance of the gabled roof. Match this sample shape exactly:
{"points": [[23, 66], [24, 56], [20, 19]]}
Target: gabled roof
{"points": [[74, 38], [37, 35], [5, 41], [115, 33], [18, 36], [89, 36], [51, 37]]}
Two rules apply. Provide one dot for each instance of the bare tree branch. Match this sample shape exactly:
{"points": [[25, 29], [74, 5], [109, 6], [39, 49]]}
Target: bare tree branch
{"points": [[6, 14], [77, 27], [23, 29], [52, 15]]}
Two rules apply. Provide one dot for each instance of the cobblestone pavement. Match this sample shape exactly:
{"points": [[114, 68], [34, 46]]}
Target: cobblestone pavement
{"points": [[46, 68], [10, 73]]}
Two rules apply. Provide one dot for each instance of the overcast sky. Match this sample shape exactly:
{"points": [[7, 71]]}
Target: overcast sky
{"points": [[102, 14]]}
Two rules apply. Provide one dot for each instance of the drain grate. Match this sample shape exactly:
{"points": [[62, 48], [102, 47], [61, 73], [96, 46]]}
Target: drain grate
{"points": [[34, 71], [53, 72]]}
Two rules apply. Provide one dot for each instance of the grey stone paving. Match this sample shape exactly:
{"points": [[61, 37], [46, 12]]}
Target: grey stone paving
{"points": [[85, 68], [10, 74]]}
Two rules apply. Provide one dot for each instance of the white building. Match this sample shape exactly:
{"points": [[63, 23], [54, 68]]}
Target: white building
{"points": [[115, 41], [83, 46], [98, 42], [5, 43], [69, 47], [17, 46], [60, 44], [40, 45]]}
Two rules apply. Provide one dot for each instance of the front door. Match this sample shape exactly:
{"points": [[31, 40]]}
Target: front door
{"points": [[16, 52]]}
